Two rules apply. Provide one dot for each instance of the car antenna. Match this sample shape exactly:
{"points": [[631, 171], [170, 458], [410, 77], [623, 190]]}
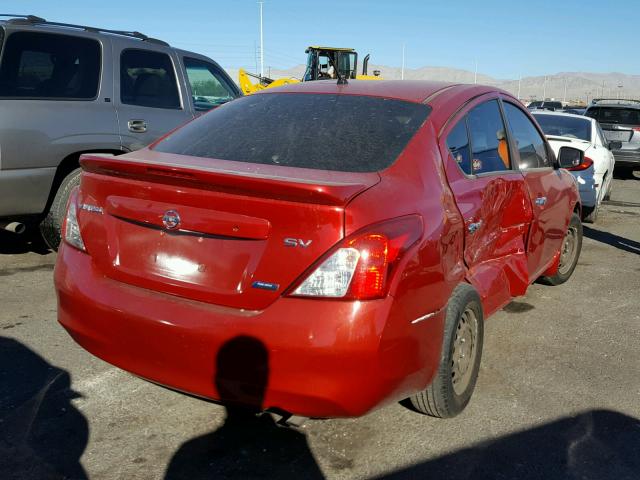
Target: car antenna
{"points": [[342, 80]]}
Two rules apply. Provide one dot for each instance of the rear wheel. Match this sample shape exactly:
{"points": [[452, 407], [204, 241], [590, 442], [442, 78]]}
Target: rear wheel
{"points": [[50, 227], [590, 214], [455, 380], [569, 253], [607, 196]]}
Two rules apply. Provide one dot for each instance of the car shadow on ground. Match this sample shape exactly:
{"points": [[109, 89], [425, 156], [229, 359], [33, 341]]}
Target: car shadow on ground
{"points": [[247, 445], [30, 241], [626, 174], [42, 435], [617, 241], [597, 445]]}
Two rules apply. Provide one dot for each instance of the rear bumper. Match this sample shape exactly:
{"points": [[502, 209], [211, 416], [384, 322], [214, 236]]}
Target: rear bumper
{"points": [[586, 187], [308, 357], [627, 158]]}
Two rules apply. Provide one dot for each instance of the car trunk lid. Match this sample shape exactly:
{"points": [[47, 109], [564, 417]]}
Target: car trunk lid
{"points": [[224, 232]]}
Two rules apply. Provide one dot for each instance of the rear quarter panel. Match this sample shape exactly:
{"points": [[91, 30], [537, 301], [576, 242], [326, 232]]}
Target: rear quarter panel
{"points": [[428, 273]]}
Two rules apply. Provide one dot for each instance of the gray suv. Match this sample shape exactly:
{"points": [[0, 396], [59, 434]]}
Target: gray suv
{"points": [[620, 122], [70, 89]]}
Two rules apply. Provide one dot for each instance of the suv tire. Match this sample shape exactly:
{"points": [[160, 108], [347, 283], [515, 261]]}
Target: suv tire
{"points": [[463, 334], [51, 226]]}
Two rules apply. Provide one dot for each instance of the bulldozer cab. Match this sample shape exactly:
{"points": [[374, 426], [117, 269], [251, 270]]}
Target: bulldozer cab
{"points": [[325, 63]]}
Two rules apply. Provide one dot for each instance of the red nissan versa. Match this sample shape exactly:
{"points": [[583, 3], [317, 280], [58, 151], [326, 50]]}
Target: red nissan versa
{"points": [[318, 249]]}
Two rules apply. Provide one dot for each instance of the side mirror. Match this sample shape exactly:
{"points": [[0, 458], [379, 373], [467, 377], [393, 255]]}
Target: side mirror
{"points": [[570, 157], [615, 145]]}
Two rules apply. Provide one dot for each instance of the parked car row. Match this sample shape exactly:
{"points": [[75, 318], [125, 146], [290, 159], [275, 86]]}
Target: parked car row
{"points": [[316, 249], [608, 131]]}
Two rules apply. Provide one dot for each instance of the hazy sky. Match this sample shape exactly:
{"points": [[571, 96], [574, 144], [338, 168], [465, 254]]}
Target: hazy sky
{"points": [[508, 38]]}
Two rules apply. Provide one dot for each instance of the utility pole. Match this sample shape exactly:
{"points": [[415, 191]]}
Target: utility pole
{"points": [[475, 76], [255, 55], [261, 43], [544, 89], [564, 99], [519, 83], [402, 72]]}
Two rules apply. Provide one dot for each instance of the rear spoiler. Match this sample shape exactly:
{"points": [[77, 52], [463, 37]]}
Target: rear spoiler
{"points": [[280, 183]]}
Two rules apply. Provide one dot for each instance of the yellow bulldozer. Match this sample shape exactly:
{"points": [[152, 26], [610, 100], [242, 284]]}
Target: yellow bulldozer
{"points": [[323, 63]]}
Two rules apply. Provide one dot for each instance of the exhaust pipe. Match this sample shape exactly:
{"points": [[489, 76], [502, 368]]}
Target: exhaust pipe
{"points": [[14, 227], [365, 64]]}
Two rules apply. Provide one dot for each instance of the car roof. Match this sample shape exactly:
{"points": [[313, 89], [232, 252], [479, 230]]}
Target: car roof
{"points": [[615, 105], [417, 91], [560, 114], [33, 23]]}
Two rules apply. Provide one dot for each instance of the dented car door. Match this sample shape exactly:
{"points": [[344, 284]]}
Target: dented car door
{"points": [[493, 201]]}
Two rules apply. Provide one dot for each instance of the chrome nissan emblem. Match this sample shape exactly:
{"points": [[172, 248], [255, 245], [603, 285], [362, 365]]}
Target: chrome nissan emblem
{"points": [[171, 219]]}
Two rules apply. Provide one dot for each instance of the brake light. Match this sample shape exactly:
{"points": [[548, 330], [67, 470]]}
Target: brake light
{"points": [[71, 226], [362, 265], [586, 163], [636, 129]]}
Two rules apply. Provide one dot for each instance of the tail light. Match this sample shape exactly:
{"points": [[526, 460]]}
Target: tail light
{"points": [[361, 266], [586, 163], [636, 129], [71, 226]]}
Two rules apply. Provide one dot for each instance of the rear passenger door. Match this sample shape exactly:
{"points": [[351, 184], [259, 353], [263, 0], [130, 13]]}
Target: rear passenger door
{"points": [[149, 99], [492, 199], [55, 97], [545, 189]]}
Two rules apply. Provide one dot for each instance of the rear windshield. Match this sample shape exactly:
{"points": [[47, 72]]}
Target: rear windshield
{"points": [[565, 126], [553, 104], [623, 116], [324, 132]]}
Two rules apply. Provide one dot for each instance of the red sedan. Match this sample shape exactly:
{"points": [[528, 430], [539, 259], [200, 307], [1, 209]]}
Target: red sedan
{"points": [[318, 249]]}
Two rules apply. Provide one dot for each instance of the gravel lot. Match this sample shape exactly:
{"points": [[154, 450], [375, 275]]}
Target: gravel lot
{"points": [[558, 394]]}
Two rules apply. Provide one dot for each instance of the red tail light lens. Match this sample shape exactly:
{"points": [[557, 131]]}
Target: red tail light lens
{"points": [[70, 227], [362, 265], [586, 163]]}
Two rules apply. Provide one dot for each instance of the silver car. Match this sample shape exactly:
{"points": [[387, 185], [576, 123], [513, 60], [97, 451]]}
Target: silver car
{"points": [[620, 121], [70, 89]]}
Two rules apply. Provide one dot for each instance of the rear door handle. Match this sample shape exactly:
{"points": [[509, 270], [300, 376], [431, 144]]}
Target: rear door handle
{"points": [[137, 126], [473, 227], [541, 201]]}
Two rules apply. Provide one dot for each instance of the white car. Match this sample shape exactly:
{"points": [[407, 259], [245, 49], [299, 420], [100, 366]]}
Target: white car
{"points": [[595, 174]]}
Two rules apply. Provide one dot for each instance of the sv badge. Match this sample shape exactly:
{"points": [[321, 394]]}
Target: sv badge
{"points": [[296, 242]]}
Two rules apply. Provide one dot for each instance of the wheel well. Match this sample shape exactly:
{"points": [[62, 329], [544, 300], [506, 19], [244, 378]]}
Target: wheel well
{"points": [[578, 209], [66, 166]]}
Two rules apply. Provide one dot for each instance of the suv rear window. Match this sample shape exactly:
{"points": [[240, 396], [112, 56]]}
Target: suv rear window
{"points": [[345, 133], [44, 65], [623, 116]]}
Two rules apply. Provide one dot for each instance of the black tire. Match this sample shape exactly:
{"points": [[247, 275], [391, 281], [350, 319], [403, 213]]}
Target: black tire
{"points": [[445, 398], [590, 214], [607, 196], [50, 227], [568, 265]]}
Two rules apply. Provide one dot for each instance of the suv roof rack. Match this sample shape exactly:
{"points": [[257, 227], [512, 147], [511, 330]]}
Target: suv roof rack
{"points": [[613, 101], [34, 20]]}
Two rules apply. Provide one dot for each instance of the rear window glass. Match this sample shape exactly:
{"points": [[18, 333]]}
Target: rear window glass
{"points": [[320, 131], [565, 126], [624, 116], [43, 65]]}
